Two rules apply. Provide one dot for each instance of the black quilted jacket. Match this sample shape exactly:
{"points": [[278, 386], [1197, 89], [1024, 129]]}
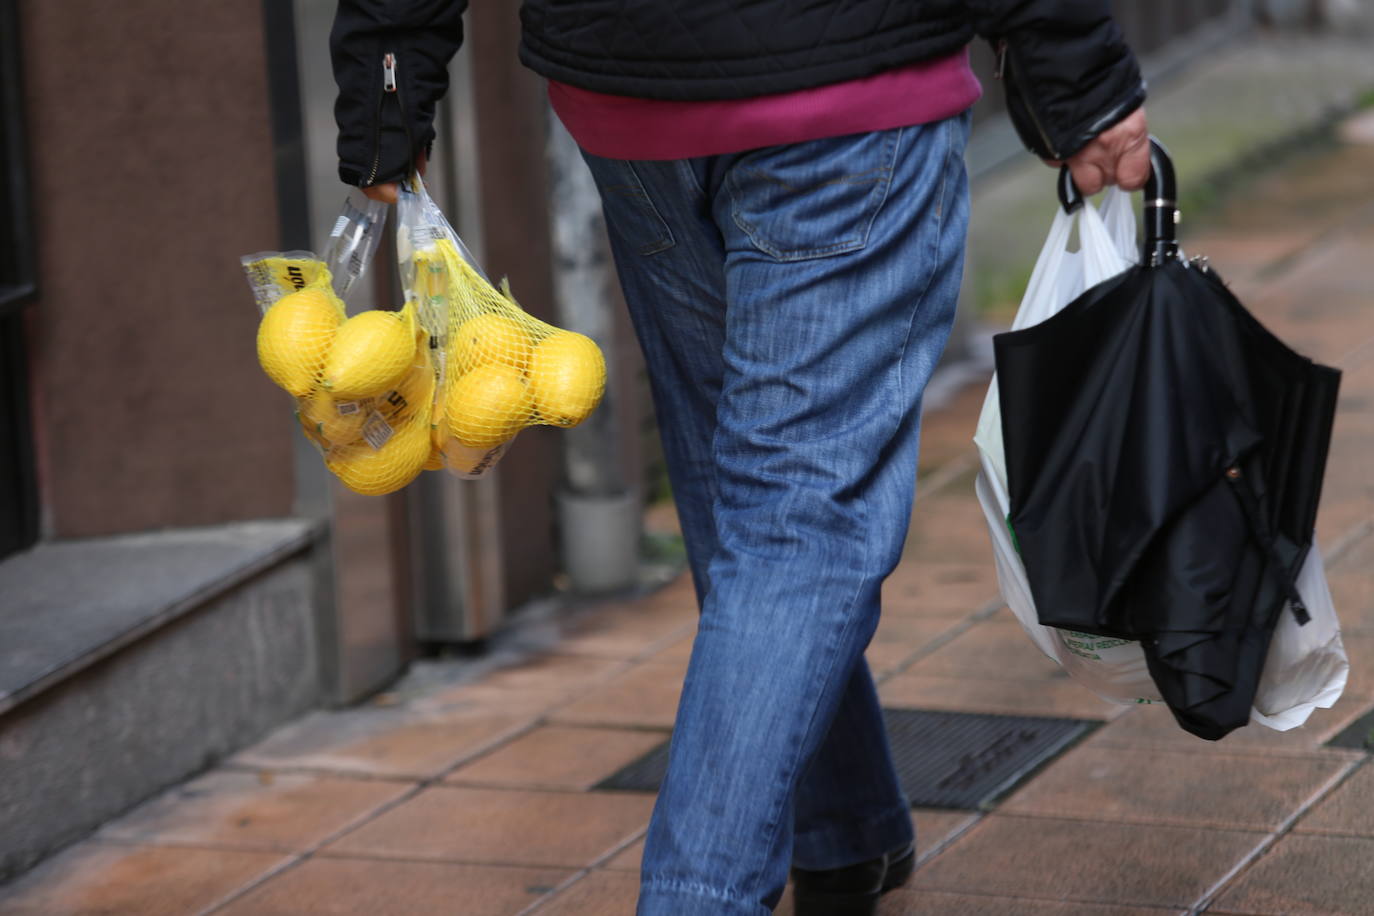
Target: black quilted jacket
{"points": [[1067, 72]]}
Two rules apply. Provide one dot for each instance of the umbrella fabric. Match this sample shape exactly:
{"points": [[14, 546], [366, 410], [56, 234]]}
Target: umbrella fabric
{"points": [[1164, 458]]}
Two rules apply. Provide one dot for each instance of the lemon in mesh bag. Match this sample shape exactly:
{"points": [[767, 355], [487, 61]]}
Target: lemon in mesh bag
{"points": [[375, 471], [504, 369], [331, 421], [370, 353], [295, 336], [364, 386]]}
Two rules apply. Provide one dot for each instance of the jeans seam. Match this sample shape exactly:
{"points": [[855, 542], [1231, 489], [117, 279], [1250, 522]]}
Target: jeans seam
{"points": [[693, 888], [640, 193], [935, 246], [861, 504]]}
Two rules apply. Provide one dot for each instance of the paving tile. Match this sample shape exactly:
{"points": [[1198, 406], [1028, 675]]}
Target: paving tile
{"points": [[553, 671], [1086, 861], [1351, 580], [915, 631], [898, 638], [1305, 876], [947, 430], [501, 826], [560, 757], [107, 879], [680, 650], [940, 589], [374, 887], [935, 827], [244, 810], [628, 859], [628, 631], [996, 648], [1359, 649], [1050, 696], [903, 902], [1349, 809], [534, 684], [885, 659], [1239, 256], [1154, 727], [600, 893], [382, 742], [1171, 787], [948, 527], [646, 696]]}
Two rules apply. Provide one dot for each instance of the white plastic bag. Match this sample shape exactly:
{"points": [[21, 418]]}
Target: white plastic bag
{"points": [[1306, 667]]}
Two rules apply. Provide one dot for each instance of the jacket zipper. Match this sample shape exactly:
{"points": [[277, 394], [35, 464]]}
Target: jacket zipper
{"points": [[389, 87], [1004, 57]]}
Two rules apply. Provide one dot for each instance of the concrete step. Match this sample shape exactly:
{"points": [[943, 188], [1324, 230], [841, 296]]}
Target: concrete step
{"points": [[130, 663]]}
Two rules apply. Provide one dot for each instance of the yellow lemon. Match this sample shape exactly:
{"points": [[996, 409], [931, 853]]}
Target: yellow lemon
{"points": [[489, 339], [311, 428], [414, 391], [371, 351], [567, 376], [438, 432], [331, 421], [468, 461], [487, 406], [295, 335], [374, 472]]}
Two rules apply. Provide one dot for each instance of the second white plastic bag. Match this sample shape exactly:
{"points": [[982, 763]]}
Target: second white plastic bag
{"points": [[1306, 667]]}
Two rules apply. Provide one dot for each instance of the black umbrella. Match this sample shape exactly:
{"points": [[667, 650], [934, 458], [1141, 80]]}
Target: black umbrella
{"points": [[1164, 457]]}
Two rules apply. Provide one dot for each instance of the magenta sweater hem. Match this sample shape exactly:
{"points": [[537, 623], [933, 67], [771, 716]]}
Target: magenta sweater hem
{"points": [[619, 127]]}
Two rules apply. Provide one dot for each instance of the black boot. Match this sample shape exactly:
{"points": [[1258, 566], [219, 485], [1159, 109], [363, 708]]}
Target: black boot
{"points": [[853, 890]]}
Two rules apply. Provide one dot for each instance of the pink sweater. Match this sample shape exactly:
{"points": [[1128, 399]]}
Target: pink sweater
{"points": [[619, 127]]}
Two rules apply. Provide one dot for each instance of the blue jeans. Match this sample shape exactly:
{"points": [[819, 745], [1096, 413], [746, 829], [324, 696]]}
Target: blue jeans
{"points": [[791, 303]]}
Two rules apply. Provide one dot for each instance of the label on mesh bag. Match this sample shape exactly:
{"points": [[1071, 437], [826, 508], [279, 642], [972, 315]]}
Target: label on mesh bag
{"points": [[377, 431], [271, 275], [348, 408]]}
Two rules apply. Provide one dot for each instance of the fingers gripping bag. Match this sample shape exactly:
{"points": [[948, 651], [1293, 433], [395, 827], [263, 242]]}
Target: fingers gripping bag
{"points": [[499, 369], [364, 384]]}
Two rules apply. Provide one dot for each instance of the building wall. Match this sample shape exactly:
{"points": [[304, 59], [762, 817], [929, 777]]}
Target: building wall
{"points": [[511, 147], [152, 164]]}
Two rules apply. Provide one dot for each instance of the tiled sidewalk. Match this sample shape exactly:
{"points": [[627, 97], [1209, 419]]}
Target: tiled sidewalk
{"points": [[468, 789]]}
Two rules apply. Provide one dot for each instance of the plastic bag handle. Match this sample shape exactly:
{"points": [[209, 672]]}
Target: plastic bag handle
{"points": [[1160, 210]]}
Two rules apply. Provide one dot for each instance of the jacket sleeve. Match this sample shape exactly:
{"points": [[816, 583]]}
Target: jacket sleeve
{"points": [[390, 61], [1068, 72]]}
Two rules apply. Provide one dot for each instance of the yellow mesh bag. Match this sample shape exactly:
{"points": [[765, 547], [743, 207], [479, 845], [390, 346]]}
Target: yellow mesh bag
{"points": [[500, 369], [363, 385], [443, 384]]}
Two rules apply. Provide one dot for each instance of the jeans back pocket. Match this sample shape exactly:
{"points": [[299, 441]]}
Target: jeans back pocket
{"points": [[813, 199]]}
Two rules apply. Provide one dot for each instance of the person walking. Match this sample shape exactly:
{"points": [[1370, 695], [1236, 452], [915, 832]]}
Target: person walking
{"points": [[787, 204]]}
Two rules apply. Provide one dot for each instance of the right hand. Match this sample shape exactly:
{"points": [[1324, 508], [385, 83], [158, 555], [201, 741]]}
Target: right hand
{"points": [[1119, 155], [386, 191]]}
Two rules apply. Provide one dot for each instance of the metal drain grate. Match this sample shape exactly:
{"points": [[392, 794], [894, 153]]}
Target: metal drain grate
{"points": [[642, 775], [1358, 734], [943, 759], [967, 760]]}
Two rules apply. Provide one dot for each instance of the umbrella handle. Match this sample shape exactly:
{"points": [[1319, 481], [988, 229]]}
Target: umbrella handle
{"points": [[1161, 205], [1161, 208]]}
